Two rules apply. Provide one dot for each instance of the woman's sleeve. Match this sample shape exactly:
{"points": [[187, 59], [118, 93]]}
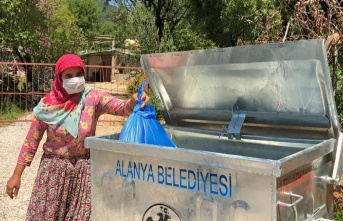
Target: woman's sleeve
{"points": [[31, 142], [112, 105]]}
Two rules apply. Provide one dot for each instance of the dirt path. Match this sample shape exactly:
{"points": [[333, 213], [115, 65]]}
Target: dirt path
{"points": [[11, 138]]}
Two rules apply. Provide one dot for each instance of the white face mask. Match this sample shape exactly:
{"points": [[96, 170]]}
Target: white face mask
{"points": [[74, 85]]}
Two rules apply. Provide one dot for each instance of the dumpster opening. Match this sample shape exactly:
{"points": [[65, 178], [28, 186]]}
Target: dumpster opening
{"points": [[209, 141], [272, 148]]}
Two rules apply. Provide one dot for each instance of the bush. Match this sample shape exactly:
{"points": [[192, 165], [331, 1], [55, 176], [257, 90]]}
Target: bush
{"points": [[10, 111]]}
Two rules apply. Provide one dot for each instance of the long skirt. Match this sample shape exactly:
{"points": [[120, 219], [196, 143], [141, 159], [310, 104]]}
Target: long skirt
{"points": [[62, 190]]}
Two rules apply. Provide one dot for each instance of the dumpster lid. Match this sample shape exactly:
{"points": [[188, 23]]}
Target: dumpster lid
{"points": [[281, 89]]}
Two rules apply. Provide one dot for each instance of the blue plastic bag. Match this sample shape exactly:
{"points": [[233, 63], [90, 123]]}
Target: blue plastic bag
{"points": [[143, 127]]}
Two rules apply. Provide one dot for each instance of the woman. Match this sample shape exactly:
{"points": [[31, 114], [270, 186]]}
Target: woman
{"points": [[69, 114]]}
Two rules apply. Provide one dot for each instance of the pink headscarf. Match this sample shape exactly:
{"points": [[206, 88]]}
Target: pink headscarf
{"points": [[58, 96]]}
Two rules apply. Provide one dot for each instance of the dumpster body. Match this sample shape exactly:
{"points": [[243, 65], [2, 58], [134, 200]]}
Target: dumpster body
{"points": [[257, 134]]}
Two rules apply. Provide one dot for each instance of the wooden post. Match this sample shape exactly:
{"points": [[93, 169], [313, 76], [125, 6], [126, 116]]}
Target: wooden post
{"points": [[113, 62], [334, 69]]}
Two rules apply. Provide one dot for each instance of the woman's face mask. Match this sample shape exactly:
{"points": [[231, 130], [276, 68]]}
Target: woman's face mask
{"points": [[74, 85]]}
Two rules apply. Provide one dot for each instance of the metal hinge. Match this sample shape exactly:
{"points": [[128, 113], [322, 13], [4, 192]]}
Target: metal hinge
{"points": [[235, 126]]}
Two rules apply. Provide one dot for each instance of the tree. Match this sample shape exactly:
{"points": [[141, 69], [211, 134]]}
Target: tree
{"points": [[166, 13], [187, 38], [229, 22], [118, 17], [87, 14], [22, 25], [108, 28], [62, 35], [39, 30], [323, 19], [140, 26]]}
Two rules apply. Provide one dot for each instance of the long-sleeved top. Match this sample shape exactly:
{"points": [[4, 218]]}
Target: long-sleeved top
{"points": [[59, 141]]}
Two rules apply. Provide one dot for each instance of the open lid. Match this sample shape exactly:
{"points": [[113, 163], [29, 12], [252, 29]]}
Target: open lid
{"points": [[281, 89]]}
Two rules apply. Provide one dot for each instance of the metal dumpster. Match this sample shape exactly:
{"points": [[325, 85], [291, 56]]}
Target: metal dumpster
{"points": [[257, 134]]}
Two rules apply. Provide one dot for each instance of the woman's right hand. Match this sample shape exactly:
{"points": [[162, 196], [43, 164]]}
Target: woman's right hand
{"points": [[145, 98], [13, 186]]}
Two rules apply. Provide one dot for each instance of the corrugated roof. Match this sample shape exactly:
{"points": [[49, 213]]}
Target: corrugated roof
{"points": [[84, 54]]}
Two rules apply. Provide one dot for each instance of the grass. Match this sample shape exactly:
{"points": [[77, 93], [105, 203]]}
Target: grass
{"points": [[10, 111]]}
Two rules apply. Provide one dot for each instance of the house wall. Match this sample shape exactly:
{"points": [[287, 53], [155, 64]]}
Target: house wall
{"points": [[97, 73]]}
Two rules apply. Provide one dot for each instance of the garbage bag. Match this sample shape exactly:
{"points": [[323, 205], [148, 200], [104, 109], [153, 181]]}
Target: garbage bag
{"points": [[143, 127]]}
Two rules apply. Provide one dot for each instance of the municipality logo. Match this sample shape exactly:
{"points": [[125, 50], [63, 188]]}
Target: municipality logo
{"points": [[160, 212]]}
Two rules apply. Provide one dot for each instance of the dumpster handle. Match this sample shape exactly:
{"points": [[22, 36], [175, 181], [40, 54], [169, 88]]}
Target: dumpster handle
{"points": [[323, 219], [291, 204], [328, 179]]}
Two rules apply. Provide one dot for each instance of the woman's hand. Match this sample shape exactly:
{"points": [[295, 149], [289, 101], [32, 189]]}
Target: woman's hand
{"points": [[145, 98], [13, 186]]}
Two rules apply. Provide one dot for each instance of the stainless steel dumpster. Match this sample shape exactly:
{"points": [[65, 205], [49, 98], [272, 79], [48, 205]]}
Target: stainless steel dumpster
{"points": [[257, 134]]}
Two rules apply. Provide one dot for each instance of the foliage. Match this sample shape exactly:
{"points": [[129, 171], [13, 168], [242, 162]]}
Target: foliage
{"points": [[140, 25], [228, 22], [321, 19], [10, 110], [19, 81], [317, 18], [339, 96], [134, 83], [271, 28], [186, 38], [39, 30], [21, 27], [87, 14], [108, 28], [167, 42], [118, 17], [64, 35], [338, 213], [166, 14], [42, 30]]}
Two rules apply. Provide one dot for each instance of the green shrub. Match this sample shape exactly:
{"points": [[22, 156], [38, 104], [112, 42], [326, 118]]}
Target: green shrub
{"points": [[338, 214], [10, 110]]}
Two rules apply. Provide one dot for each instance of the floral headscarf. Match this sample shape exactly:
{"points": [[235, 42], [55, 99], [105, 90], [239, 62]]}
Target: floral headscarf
{"points": [[59, 107]]}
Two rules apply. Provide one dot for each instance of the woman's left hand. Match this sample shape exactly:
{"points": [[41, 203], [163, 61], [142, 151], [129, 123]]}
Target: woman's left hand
{"points": [[145, 98]]}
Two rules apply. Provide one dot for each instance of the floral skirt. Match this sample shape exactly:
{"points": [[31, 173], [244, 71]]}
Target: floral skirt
{"points": [[62, 190]]}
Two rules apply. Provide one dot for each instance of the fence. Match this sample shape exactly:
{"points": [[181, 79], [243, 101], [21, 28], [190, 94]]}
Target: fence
{"points": [[24, 84]]}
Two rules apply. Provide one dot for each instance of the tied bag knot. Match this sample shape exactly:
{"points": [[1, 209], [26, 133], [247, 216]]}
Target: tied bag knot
{"points": [[143, 127]]}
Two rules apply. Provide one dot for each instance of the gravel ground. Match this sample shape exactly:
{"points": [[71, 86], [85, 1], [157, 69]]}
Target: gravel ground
{"points": [[11, 138]]}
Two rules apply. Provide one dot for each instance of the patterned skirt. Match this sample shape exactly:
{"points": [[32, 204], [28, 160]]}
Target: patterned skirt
{"points": [[62, 190]]}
